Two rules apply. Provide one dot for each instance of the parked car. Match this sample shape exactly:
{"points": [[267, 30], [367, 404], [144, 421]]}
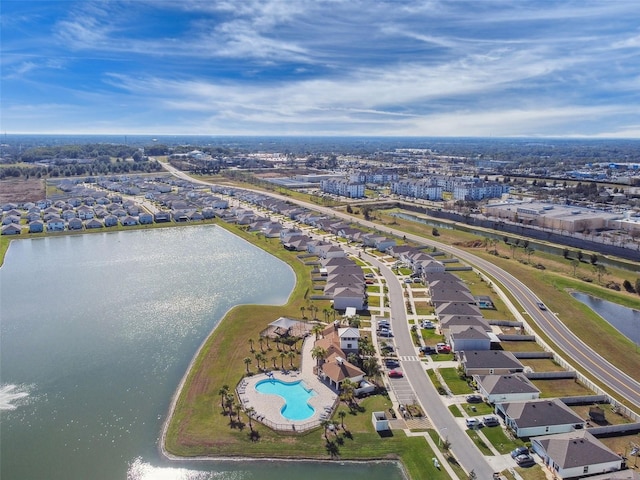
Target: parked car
{"points": [[519, 451], [428, 325], [383, 324], [407, 280], [395, 374], [417, 280], [474, 399], [443, 348], [369, 275], [525, 460], [386, 333], [473, 422], [368, 281], [426, 350], [490, 421]]}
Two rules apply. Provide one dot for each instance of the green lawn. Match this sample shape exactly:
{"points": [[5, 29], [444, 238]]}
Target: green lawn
{"points": [[499, 440], [561, 387], [457, 385], [479, 442]]}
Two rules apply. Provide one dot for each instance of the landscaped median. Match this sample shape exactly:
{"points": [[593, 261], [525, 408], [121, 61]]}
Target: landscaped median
{"points": [[200, 424]]}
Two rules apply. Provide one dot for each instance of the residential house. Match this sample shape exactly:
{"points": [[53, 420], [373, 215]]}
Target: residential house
{"points": [[539, 417], [513, 387], [457, 308], [55, 225], [489, 362], [9, 219], [128, 221], [11, 229], [145, 218], [36, 226], [449, 321], [463, 337], [93, 223], [74, 224], [110, 221], [576, 454]]}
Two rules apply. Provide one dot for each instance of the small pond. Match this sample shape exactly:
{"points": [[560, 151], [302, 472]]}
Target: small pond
{"points": [[625, 320]]}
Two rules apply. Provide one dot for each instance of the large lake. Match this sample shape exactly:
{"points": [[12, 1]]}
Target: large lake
{"points": [[96, 333]]}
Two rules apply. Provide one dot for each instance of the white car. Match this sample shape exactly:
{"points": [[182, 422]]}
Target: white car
{"points": [[473, 422]]}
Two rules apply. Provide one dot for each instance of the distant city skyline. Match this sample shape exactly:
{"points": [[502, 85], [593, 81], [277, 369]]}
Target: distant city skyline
{"points": [[311, 67]]}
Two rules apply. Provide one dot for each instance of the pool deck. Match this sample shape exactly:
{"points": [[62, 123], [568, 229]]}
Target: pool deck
{"points": [[267, 407]]}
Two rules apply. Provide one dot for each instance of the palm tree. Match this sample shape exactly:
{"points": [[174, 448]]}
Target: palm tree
{"points": [[261, 342], [282, 356], [326, 314], [302, 310], [325, 424], [223, 392], [574, 264], [348, 388], [278, 343], [247, 361], [317, 330], [291, 356], [342, 414], [600, 270], [273, 359], [259, 358], [251, 344], [318, 354], [250, 412], [315, 312], [529, 251]]}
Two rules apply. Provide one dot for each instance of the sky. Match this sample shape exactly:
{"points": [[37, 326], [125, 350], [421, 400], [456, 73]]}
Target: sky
{"points": [[479, 68]]}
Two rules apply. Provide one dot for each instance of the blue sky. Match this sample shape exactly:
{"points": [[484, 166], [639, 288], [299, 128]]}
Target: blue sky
{"points": [[314, 67]]}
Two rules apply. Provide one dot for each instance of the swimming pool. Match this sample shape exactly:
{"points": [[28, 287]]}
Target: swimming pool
{"points": [[295, 395]]}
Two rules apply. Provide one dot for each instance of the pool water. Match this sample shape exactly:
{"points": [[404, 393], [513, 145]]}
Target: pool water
{"points": [[295, 395]]}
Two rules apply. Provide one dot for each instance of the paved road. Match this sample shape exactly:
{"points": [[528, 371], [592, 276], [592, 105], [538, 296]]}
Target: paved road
{"points": [[426, 394]]}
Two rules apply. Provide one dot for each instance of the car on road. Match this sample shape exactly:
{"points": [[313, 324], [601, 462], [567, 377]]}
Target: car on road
{"points": [[525, 460], [473, 422], [391, 363], [490, 421], [395, 374], [443, 348], [541, 306], [474, 399], [519, 451]]}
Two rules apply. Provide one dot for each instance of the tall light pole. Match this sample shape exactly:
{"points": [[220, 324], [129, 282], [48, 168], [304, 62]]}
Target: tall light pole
{"points": [[440, 438]]}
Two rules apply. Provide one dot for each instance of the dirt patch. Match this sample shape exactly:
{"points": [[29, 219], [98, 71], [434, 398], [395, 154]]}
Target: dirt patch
{"points": [[20, 190]]}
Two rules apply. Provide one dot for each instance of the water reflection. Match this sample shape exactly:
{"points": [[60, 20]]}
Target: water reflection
{"points": [[625, 320]]}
